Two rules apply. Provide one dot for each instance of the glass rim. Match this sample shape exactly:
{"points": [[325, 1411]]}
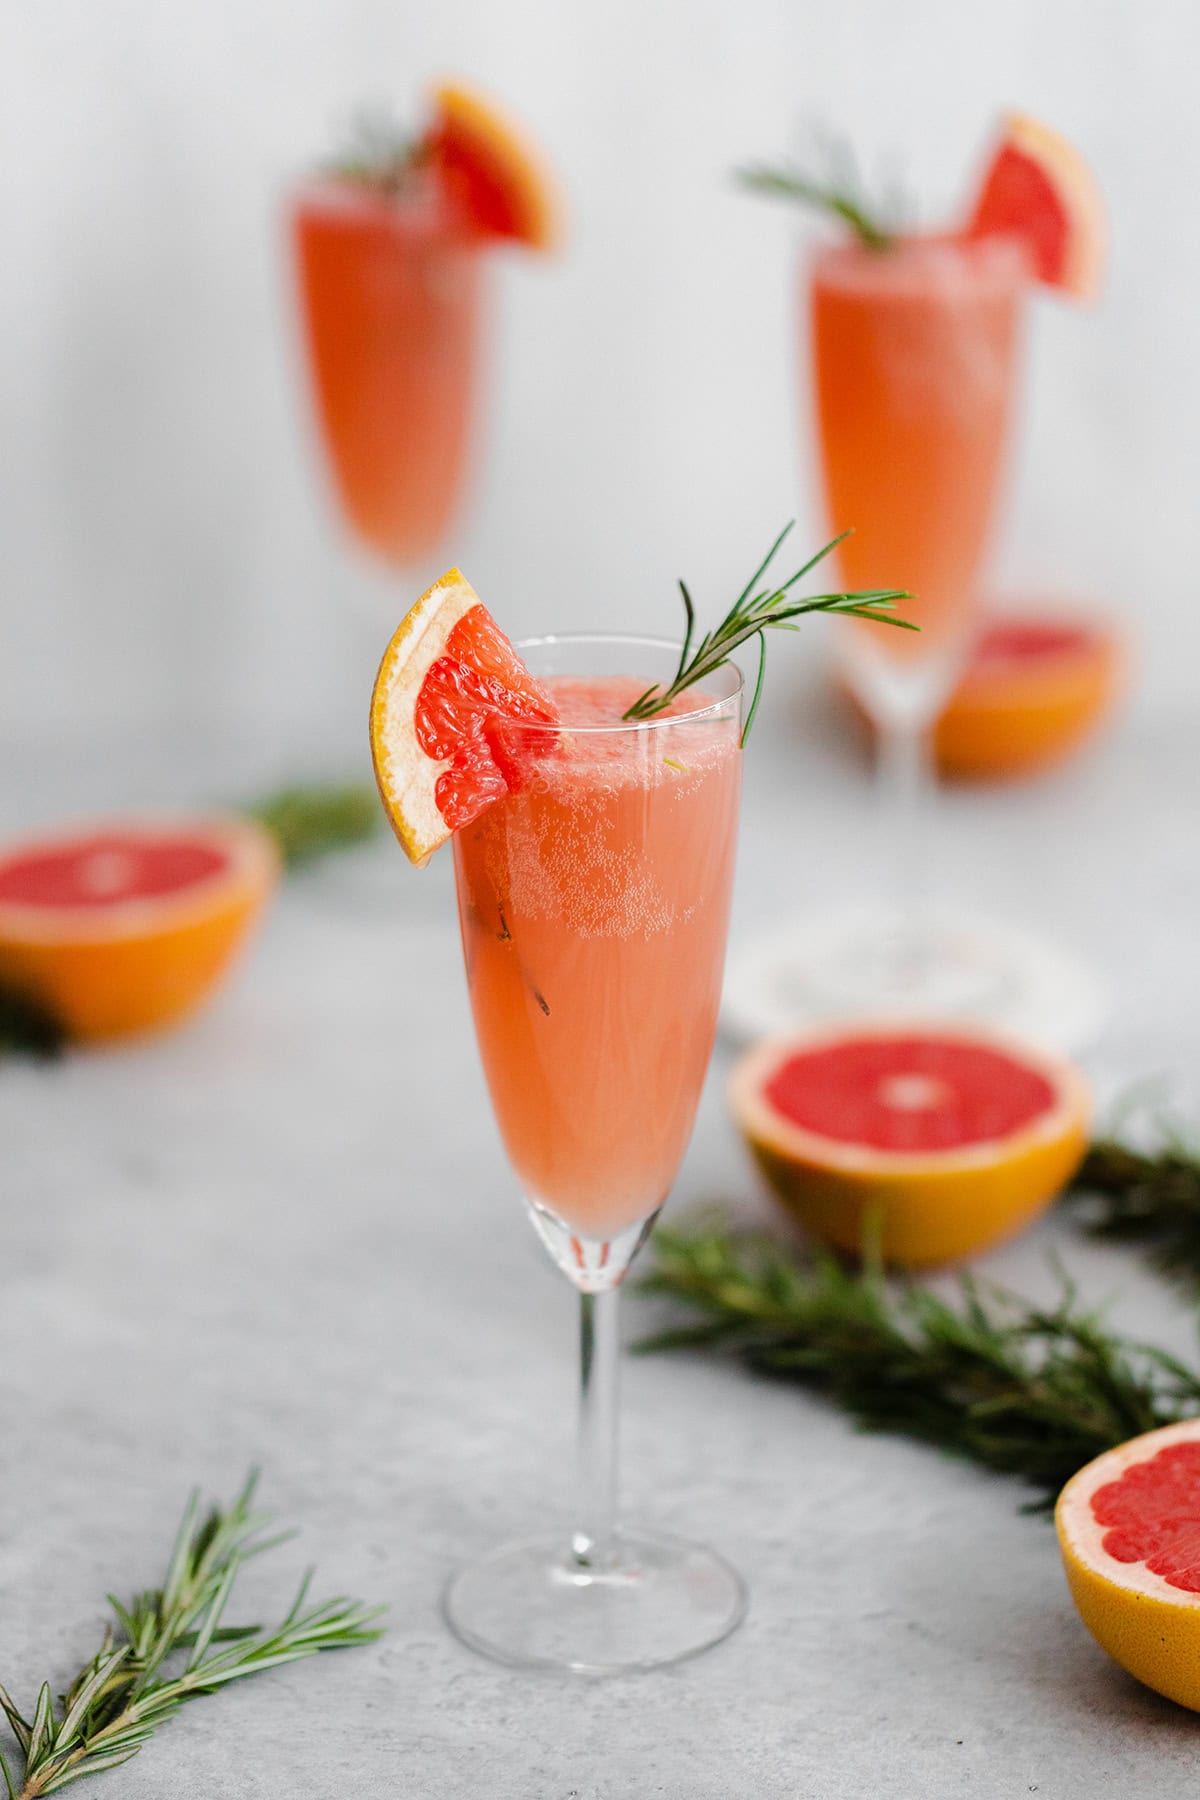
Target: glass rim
{"points": [[641, 641]]}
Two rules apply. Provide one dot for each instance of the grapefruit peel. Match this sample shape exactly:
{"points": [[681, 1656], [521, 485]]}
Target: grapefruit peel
{"points": [[1129, 1531], [928, 1206]]}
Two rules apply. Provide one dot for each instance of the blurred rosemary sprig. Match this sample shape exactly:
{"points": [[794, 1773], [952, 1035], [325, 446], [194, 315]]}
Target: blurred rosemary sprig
{"points": [[838, 191], [755, 611], [125, 1692], [29, 1027], [1148, 1196], [380, 153], [1023, 1390], [309, 822]]}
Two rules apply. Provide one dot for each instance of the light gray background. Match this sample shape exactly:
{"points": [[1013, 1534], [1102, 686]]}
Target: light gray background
{"points": [[168, 545], [286, 1233]]}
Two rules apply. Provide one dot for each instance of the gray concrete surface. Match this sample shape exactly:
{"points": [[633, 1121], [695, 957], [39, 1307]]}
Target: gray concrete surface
{"points": [[286, 1236]]}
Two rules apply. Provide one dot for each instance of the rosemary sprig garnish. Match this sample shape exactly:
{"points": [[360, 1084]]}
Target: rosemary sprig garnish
{"points": [[755, 611], [380, 154], [785, 182], [1017, 1388], [311, 822], [1149, 1196], [125, 1692]]}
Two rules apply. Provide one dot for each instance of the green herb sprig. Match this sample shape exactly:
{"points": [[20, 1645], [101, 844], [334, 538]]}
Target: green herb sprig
{"points": [[380, 153], [1019, 1389], [311, 822], [127, 1690], [756, 611], [29, 1026], [842, 200], [1145, 1196]]}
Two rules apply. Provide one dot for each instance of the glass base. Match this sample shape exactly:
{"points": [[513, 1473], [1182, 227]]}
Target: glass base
{"points": [[860, 965], [651, 1600]]}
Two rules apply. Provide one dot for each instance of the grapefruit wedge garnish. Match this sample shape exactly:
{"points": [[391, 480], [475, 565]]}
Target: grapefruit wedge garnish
{"points": [[1038, 188], [496, 171], [449, 701], [125, 925], [1129, 1530], [1035, 685], [942, 1140]]}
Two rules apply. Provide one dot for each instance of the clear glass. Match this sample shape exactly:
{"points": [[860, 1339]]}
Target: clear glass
{"points": [[594, 906], [392, 296], [915, 356]]}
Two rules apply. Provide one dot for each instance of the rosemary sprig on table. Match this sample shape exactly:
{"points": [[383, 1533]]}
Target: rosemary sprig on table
{"points": [[755, 611], [1146, 1196], [29, 1027], [1019, 1389], [125, 1692], [310, 822]]}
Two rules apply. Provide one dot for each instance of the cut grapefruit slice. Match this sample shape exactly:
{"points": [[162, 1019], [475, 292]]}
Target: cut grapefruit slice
{"points": [[1038, 188], [941, 1139], [449, 690], [1036, 685], [118, 927], [498, 174], [1129, 1530]]}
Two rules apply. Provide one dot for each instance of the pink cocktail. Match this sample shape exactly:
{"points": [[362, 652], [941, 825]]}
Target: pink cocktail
{"points": [[594, 905]]}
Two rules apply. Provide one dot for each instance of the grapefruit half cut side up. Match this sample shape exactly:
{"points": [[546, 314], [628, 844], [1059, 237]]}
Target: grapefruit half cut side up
{"points": [[1038, 189], [449, 692], [1129, 1531], [125, 925], [1037, 683], [493, 168], [943, 1140]]}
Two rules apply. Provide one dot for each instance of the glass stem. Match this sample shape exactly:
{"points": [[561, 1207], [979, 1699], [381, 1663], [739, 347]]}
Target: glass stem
{"points": [[597, 1496], [906, 787]]}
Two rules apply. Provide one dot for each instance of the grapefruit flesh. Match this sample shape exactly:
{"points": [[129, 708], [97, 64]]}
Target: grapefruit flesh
{"points": [[1129, 1531], [1038, 189], [495, 172], [447, 715], [1036, 686], [941, 1141], [126, 926]]}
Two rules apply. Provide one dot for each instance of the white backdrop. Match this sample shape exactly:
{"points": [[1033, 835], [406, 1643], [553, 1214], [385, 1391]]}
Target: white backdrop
{"points": [[169, 549]]}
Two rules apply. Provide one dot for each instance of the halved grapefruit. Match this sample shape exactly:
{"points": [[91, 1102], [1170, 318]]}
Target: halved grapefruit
{"points": [[1036, 685], [120, 926], [941, 1139], [499, 175], [449, 691], [1129, 1530], [1038, 188]]}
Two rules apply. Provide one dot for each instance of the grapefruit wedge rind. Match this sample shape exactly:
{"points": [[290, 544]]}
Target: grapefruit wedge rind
{"points": [[1129, 1532], [1039, 189], [406, 777], [929, 1203], [502, 175]]}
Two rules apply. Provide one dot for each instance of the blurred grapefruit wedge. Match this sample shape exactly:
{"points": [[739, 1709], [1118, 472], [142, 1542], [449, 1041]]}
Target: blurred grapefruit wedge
{"points": [[1039, 189]]}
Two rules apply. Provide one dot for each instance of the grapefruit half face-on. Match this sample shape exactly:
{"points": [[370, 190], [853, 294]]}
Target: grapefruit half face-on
{"points": [[124, 925], [1129, 1530], [941, 1139]]}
